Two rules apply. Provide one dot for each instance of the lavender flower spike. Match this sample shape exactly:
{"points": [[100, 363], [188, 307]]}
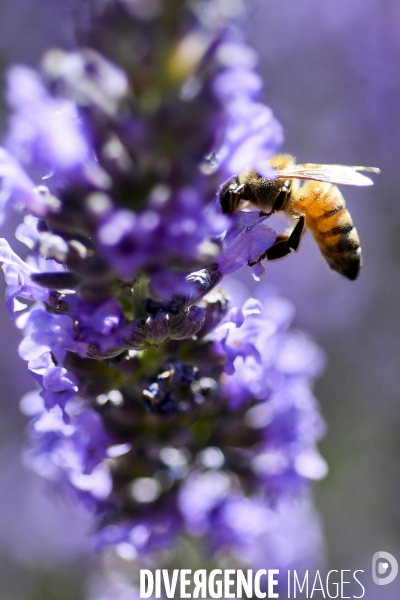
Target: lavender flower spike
{"points": [[158, 407]]}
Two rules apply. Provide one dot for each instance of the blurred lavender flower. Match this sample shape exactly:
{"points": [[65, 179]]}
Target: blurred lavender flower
{"points": [[158, 409], [238, 442], [289, 536]]}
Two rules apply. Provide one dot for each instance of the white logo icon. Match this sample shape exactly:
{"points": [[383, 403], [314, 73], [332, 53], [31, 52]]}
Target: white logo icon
{"points": [[380, 568]]}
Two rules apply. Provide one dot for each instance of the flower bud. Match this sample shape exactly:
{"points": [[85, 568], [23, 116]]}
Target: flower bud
{"points": [[180, 373], [94, 352], [159, 399], [188, 324], [135, 340], [157, 329]]}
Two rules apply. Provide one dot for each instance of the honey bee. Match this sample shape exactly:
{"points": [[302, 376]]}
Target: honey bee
{"points": [[317, 204]]}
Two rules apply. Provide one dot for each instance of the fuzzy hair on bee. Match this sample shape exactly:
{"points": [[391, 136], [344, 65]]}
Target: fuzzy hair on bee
{"points": [[317, 204]]}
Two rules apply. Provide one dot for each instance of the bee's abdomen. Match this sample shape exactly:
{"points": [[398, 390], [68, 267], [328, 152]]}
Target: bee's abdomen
{"points": [[340, 246], [332, 226]]}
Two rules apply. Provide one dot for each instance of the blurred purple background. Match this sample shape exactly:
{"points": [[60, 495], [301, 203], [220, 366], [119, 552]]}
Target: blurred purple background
{"points": [[331, 76]]}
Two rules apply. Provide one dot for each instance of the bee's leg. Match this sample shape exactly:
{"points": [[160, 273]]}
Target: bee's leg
{"points": [[230, 196], [285, 244], [238, 188], [283, 195]]}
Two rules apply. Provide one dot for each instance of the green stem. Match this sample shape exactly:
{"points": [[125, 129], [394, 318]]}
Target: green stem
{"points": [[140, 294]]}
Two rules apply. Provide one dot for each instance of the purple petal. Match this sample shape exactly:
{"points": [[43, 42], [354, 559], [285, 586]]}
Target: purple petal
{"points": [[43, 128], [246, 241]]}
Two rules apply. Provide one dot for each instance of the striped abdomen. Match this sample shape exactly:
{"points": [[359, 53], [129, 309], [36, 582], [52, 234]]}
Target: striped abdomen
{"points": [[331, 225]]}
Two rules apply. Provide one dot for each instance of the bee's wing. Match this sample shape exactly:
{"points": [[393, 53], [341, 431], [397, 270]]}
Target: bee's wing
{"points": [[338, 174]]}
